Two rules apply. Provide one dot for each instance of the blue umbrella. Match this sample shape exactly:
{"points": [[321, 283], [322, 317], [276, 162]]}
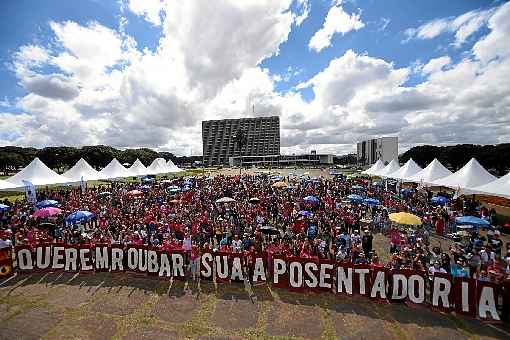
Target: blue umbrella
{"points": [[357, 187], [305, 213], [439, 200], [406, 192], [472, 220], [355, 198], [46, 204], [311, 199], [312, 231], [371, 201], [4, 207], [79, 215]]}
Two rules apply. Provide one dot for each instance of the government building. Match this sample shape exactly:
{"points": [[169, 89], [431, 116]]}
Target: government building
{"points": [[384, 148], [261, 136]]}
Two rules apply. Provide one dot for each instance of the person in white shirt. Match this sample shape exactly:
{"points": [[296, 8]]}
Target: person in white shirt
{"points": [[436, 268], [237, 244]]}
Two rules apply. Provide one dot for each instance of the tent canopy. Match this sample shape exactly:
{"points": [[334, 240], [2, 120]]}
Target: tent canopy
{"points": [[434, 171], [114, 170], [138, 169], [158, 166], [470, 175], [408, 169], [377, 166], [499, 187], [172, 166], [6, 185], [82, 169], [38, 174], [388, 169]]}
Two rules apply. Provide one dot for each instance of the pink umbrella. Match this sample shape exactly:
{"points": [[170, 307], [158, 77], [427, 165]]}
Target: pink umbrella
{"points": [[135, 193], [47, 212]]}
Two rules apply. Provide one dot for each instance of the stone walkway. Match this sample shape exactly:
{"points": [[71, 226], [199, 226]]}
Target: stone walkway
{"points": [[103, 306]]}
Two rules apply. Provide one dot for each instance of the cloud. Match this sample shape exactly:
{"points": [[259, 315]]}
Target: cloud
{"points": [[207, 65], [337, 21], [436, 64], [151, 10], [463, 26], [53, 86]]}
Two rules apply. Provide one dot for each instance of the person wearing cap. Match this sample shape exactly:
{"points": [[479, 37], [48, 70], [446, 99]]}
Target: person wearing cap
{"points": [[436, 268]]}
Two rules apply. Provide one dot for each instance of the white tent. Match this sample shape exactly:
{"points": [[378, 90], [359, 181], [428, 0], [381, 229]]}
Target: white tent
{"points": [[38, 174], [388, 169], [408, 169], [114, 170], [158, 166], [470, 175], [434, 171], [138, 168], [377, 166], [499, 187], [6, 185], [172, 166], [82, 169]]}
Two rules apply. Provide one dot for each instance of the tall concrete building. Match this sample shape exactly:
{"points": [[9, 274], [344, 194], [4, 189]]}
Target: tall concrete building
{"points": [[384, 148], [262, 138]]}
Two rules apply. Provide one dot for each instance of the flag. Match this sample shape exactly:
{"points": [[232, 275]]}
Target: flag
{"points": [[30, 193], [82, 185]]}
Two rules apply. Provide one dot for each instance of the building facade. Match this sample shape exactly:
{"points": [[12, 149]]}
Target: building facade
{"points": [[384, 148], [312, 159], [262, 138]]}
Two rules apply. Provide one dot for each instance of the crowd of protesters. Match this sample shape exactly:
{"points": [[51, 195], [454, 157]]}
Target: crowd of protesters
{"points": [[269, 219]]}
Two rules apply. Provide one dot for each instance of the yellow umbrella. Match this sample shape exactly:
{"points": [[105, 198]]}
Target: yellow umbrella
{"points": [[279, 185], [405, 218]]}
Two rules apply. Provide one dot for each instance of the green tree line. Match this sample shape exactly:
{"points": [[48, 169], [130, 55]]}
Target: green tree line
{"points": [[494, 158], [61, 158]]}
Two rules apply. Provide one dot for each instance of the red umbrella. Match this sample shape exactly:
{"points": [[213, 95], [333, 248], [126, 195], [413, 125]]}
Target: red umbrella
{"points": [[135, 193], [47, 212]]}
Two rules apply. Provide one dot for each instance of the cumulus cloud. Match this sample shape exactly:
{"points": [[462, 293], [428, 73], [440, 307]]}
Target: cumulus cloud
{"points": [[151, 10], [463, 26], [337, 21], [207, 66]]}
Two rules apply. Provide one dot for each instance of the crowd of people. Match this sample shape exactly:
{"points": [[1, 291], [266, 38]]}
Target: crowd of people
{"points": [[262, 217]]}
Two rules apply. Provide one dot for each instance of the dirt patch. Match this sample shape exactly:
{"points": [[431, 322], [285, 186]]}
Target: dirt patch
{"points": [[31, 324], [123, 302], [93, 327], [236, 314], [294, 320], [151, 333], [175, 309]]}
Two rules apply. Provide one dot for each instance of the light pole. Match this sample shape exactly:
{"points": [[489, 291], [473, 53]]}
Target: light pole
{"points": [[240, 140]]}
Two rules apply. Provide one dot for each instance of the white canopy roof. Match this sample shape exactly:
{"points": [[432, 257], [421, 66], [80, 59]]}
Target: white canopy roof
{"points": [[470, 175], [434, 171], [408, 169], [6, 185], [38, 174], [114, 170], [172, 166], [82, 169], [388, 169], [499, 187], [138, 168], [158, 166], [377, 166]]}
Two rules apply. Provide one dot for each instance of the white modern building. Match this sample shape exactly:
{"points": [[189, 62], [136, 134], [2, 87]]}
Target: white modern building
{"points": [[384, 148]]}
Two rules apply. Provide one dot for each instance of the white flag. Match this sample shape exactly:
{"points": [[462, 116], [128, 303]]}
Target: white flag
{"points": [[82, 185]]}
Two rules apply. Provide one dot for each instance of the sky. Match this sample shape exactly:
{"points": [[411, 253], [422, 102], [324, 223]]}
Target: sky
{"points": [[145, 73]]}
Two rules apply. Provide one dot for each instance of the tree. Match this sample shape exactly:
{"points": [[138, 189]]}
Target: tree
{"points": [[99, 156]]}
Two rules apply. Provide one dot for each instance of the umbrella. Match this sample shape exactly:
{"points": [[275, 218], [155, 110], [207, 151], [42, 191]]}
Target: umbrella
{"points": [[47, 225], [225, 200], [406, 192], [305, 213], [134, 193], [147, 179], [472, 220], [464, 227], [270, 230], [371, 201], [357, 187], [355, 198], [104, 193], [4, 207], [279, 185], [46, 203], [47, 212], [439, 200], [79, 215], [405, 218], [378, 184], [175, 201], [311, 199], [254, 200]]}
